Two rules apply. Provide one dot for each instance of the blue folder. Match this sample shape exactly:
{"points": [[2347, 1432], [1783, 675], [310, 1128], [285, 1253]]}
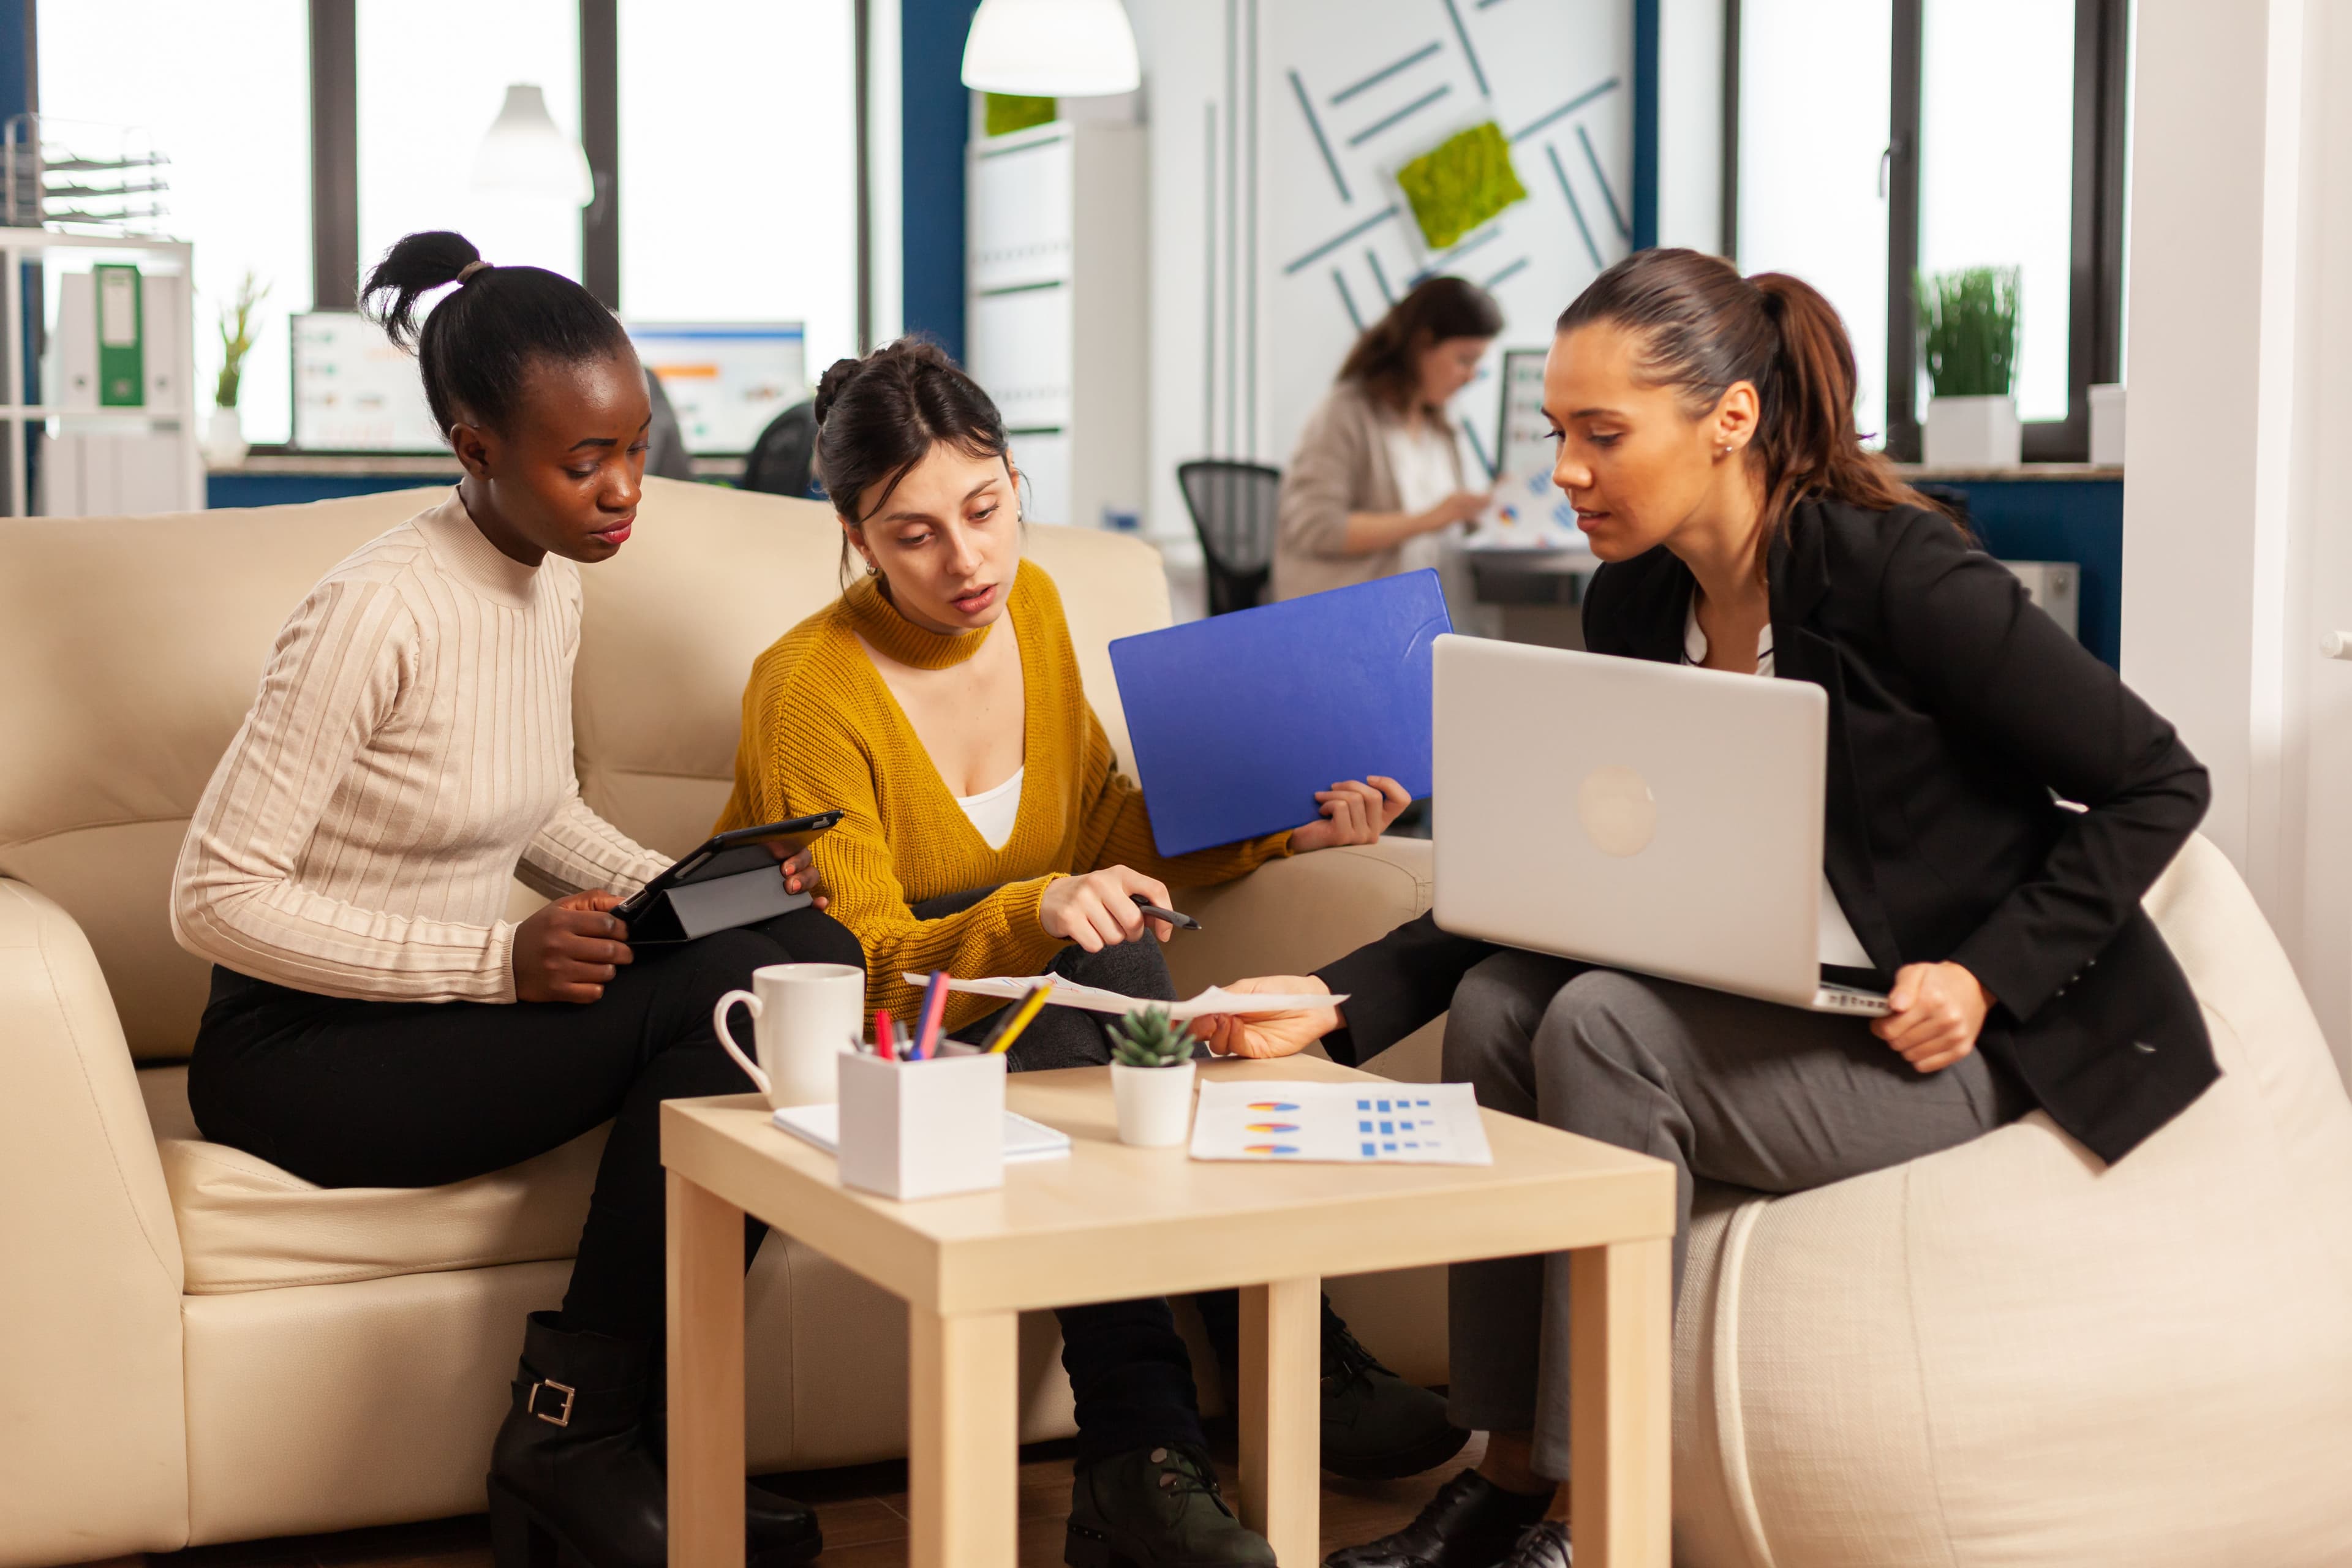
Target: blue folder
{"points": [[1238, 719]]}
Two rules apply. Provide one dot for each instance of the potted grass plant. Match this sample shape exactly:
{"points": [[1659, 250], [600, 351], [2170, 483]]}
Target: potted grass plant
{"points": [[239, 325], [1968, 335], [1151, 1077]]}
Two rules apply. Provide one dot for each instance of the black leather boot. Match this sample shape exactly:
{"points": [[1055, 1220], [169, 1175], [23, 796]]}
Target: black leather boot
{"points": [[574, 1482]]}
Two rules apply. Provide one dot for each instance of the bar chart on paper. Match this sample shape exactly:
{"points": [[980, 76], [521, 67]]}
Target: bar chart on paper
{"points": [[1339, 1123]]}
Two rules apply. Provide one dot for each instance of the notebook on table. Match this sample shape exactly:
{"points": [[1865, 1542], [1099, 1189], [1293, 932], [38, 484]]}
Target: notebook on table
{"points": [[1023, 1140], [1237, 721]]}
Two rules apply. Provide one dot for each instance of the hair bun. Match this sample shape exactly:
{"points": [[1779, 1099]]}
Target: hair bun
{"points": [[834, 383]]}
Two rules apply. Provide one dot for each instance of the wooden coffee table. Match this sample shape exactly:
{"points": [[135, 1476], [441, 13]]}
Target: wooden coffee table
{"points": [[1113, 1223]]}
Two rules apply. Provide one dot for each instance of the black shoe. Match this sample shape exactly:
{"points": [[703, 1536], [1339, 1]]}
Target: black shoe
{"points": [[1156, 1508], [1376, 1426], [1545, 1545], [574, 1479], [1470, 1523]]}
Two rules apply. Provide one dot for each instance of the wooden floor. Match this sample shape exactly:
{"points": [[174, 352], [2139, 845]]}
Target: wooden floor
{"points": [[863, 1511]]}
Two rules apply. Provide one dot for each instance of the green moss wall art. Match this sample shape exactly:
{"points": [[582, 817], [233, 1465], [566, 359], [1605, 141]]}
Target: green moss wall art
{"points": [[1460, 184], [1007, 112]]}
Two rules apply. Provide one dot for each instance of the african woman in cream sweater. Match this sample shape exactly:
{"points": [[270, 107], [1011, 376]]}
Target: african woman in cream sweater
{"points": [[375, 1020]]}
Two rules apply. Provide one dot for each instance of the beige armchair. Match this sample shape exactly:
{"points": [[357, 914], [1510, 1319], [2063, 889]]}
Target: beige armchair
{"points": [[196, 1346]]}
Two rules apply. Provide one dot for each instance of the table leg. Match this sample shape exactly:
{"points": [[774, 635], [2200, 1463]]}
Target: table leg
{"points": [[1282, 1416], [963, 1438], [706, 1378], [1621, 1383]]}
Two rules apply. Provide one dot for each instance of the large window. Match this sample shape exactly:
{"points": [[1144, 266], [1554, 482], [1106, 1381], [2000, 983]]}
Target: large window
{"points": [[432, 76], [1997, 167], [738, 131], [1813, 103], [223, 90], [1879, 141]]}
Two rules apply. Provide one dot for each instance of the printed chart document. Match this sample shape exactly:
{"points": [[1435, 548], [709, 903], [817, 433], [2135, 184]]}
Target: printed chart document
{"points": [[1060, 992], [1340, 1123]]}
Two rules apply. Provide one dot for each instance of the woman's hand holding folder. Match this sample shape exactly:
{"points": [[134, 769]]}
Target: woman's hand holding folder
{"points": [[1354, 812]]}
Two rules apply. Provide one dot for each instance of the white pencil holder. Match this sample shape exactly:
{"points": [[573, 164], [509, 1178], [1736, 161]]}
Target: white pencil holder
{"points": [[922, 1129]]}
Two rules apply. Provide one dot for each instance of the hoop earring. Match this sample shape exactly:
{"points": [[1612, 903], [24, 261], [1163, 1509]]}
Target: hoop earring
{"points": [[872, 570]]}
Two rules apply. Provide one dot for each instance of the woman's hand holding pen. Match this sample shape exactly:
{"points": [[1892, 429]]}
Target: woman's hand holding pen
{"points": [[1354, 812], [800, 872], [1269, 1034], [1937, 1011], [570, 950], [1097, 911]]}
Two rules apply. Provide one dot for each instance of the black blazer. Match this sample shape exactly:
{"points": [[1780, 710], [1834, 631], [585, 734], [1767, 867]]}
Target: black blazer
{"points": [[1956, 711]]}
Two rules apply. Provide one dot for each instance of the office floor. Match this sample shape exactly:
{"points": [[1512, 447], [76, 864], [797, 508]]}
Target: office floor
{"points": [[863, 1511]]}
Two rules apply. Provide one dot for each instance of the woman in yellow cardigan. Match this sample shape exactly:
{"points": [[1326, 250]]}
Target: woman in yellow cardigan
{"points": [[987, 830]]}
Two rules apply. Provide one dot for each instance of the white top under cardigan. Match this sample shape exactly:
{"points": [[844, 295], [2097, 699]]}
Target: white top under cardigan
{"points": [[409, 756], [1839, 944]]}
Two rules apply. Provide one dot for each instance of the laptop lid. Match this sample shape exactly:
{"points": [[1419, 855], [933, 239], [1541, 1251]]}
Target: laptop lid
{"points": [[1648, 817]]}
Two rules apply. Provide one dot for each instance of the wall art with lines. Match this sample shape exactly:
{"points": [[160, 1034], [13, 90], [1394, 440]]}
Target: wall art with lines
{"points": [[1351, 95]]}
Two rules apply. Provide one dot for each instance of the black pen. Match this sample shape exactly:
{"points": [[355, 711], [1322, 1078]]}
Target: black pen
{"points": [[1181, 923]]}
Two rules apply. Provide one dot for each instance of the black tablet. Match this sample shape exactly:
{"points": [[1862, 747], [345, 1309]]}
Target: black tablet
{"points": [[730, 854]]}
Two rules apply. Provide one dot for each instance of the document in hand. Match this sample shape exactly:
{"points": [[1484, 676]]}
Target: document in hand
{"points": [[1062, 993], [1340, 1123], [1238, 719]]}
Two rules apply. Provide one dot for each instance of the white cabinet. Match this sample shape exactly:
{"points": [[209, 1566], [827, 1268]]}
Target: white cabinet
{"points": [[1053, 319]]}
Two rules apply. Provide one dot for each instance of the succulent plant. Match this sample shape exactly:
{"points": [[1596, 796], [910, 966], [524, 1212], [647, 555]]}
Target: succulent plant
{"points": [[1147, 1038]]}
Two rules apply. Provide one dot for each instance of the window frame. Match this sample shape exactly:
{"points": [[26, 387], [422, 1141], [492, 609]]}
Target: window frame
{"points": [[2094, 316]]}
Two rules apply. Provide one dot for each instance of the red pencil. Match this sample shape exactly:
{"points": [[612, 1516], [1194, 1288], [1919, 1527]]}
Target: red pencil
{"points": [[882, 1038]]}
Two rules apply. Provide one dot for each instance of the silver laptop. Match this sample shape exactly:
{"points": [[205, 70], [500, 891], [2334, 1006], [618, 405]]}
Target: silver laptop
{"points": [[1646, 816]]}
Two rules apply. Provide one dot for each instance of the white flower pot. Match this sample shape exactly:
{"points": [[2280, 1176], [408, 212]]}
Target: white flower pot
{"points": [[1155, 1104], [1973, 432], [224, 438]]}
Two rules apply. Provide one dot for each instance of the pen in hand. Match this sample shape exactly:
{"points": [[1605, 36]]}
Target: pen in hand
{"points": [[1181, 923]]}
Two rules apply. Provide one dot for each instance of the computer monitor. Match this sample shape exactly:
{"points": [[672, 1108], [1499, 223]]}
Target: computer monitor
{"points": [[354, 391], [726, 381]]}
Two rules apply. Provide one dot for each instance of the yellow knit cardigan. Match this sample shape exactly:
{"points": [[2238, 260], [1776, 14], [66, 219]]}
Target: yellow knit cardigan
{"points": [[821, 732]]}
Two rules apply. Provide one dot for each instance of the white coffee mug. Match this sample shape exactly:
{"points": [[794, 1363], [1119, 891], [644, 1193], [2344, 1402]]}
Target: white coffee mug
{"points": [[804, 1016]]}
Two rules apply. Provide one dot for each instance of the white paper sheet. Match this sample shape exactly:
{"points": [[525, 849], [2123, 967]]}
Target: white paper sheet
{"points": [[1340, 1123], [1023, 1140], [1063, 993]]}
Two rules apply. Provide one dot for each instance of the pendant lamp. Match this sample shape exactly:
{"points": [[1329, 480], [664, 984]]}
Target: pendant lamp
{"points": [[523, 153], [1051, 48]]}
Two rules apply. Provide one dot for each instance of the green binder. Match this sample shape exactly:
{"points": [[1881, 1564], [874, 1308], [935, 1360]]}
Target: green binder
{"points": [[122, 337]]}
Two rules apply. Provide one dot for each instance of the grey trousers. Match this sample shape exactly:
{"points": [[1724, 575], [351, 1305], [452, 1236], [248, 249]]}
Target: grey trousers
{"points": [[1735, 1091]]}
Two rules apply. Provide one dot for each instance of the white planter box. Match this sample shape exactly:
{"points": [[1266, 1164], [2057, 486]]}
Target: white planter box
{"points": [[1154, 1104], [1973, 432]]}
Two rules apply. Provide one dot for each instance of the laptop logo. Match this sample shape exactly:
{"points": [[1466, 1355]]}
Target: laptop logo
{"points": [[1619, 813]]}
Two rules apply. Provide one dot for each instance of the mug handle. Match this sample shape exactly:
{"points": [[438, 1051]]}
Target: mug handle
{"points": [[718, 1025]]}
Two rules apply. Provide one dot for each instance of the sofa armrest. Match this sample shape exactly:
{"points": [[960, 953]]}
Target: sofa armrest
{"points": [[1293, 916], [93, 1433]]}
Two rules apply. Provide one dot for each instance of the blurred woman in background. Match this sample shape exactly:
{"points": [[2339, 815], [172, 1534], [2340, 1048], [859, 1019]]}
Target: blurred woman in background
{"points": [[1377, 483]]}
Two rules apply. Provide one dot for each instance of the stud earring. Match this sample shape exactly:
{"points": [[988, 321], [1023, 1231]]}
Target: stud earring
{"points": [[1724, 450]]}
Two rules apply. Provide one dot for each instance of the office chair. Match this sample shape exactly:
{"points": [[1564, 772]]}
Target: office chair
{"points": [[1232, 507]]}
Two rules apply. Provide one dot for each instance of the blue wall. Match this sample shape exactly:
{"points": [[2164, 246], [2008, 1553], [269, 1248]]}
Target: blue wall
{"points": [[935, 121], [2080, 521]]}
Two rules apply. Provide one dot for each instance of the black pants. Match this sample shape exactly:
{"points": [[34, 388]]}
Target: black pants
{"points": [[1129, 1372], [415, 1094]]}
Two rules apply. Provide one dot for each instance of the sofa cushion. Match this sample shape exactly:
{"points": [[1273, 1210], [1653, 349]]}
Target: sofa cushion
{"points": [[245, 1224]]}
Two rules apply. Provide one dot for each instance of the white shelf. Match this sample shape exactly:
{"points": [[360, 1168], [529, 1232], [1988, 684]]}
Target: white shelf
{"points": [[51, 411]]}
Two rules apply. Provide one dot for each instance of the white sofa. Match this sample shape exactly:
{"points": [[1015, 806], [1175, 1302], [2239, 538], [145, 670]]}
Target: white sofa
{"points": [[2002, 1354], [196, 1346]]}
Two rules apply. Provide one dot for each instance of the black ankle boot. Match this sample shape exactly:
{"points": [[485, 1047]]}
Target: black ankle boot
{"points": [[772, 1523], [574, 1482]]}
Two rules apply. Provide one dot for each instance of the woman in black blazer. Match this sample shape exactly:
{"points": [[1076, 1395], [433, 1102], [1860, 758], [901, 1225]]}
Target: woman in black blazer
{"points": [[1998, 802]]}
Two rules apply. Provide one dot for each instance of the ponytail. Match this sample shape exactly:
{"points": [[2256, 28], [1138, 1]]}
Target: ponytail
{"points": [[1705, 328], [475, 349]]}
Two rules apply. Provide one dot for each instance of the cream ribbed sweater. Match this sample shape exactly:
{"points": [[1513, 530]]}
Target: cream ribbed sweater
{"points": [[409, 755]]}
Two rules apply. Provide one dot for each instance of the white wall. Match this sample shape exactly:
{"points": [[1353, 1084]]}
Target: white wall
{"points": [[1245, 335], [2235, 556]]}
